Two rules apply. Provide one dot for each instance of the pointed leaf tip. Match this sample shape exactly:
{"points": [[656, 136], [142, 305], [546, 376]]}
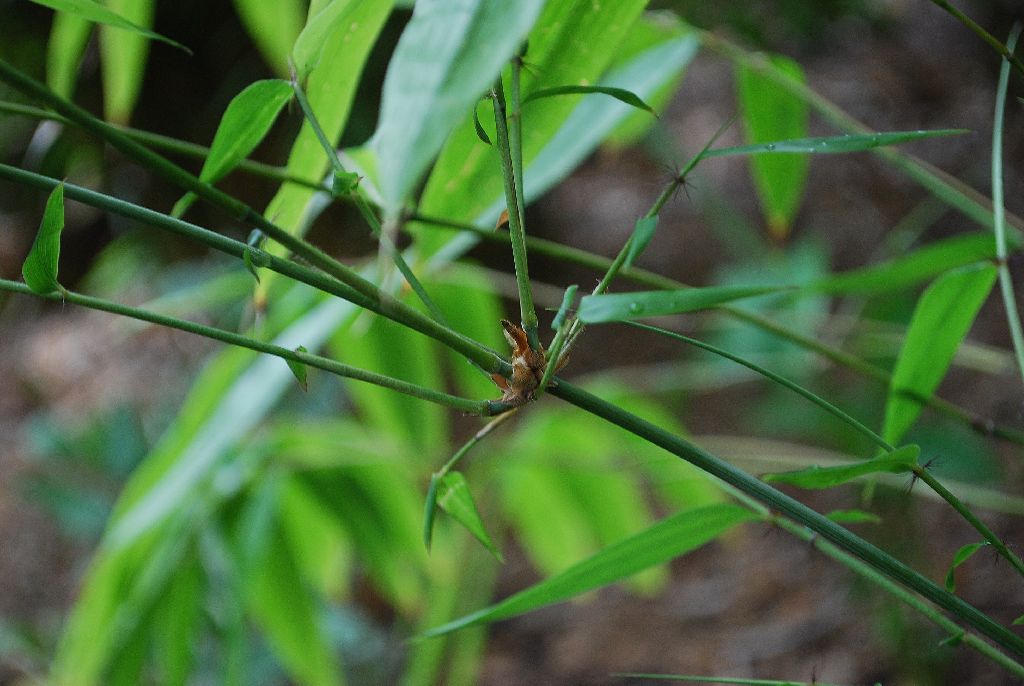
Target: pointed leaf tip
{"points": [[453, 497], [40, 266], [299, 369]]}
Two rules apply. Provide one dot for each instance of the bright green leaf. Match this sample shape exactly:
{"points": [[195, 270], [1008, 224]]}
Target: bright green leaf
{"points": [[642, 235], [343, 184], [274, 27], [919, 265], [1018, 621], [622, 306], [453, 497], [68, 37], [448, 56], [771, 113], [299, 369], [664, 541], [853, 517], [940, 322], [177, 614], [620, 94], [40, 267], [123, 59], [899, 461], [99, 14], [959, 558], [832, 144], [245, 122], [430, 511]]}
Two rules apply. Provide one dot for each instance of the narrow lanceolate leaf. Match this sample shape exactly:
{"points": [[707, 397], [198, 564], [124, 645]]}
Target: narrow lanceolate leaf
{"points": [[915, 267], [565, 307], [40, 267], [430, 511], [447, 57], [642, 235], [97, 13], [940, 322], [64, 51], [899, 461], [123, 56], [853, 517], [959, 558], [660, 543], [248, 117], [833, 144], [620, 94], [622, 306], [770, 113], [273, 27], [299, 370], [453, 497]]}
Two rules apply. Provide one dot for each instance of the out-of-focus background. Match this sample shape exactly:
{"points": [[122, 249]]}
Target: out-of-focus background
{"points": [[84, 397]]}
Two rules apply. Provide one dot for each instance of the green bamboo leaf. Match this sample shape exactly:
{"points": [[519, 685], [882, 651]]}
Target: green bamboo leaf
{"points": [[299, 370], [40, 267], [643, 232], [565, 307], [64, 50], [245, 122], [1019, 620], [453, 497], [273, 27], [478, 127], [919, 265], [940, 322], [123, 59], [959, 558], [622, 306], [853, 517], [620, 94], [98, 14], [430, 511], [178, 613], [448, 55], [898, 461], [771, 113], [333, 19], [664, 541], [832, 144]]}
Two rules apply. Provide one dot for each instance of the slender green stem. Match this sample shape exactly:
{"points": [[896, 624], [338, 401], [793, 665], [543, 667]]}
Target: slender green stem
{"points": [[476, 438], [999, 210], [173, 145], [515, 136], [307, 358], [384, 237], [376, 301], [517, 232], [779, 502], [921, 472], [1006, 51]]}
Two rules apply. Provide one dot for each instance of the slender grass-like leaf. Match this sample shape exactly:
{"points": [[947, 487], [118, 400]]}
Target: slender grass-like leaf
{"points": [[643, 232], [770, 113], [430, 511], [448, 55], [899, 461], [616, 307], [940, 322], [721, 680], [245, 122], [123, 58], [921, 264], [664, 541], [97, 13], [273, 27], [68, 37], [620, 94], [453, 497], [832, 144], [40, 267], [961, 556]]}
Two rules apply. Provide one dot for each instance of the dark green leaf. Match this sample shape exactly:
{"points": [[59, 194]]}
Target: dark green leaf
{"points": [[940, 322], [245, 122], [853, 517], [40, 267], [898, 461], [770, 113], [622, 306], [447, 56], [564, 308], [660, 543], [620, 94], [478, 127], [924, 263], [97, 13], [299, 369], [959, 558], [429, 511], [954, 640], [833, 144], [642, 235], [250, 263], [453, 497]]}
